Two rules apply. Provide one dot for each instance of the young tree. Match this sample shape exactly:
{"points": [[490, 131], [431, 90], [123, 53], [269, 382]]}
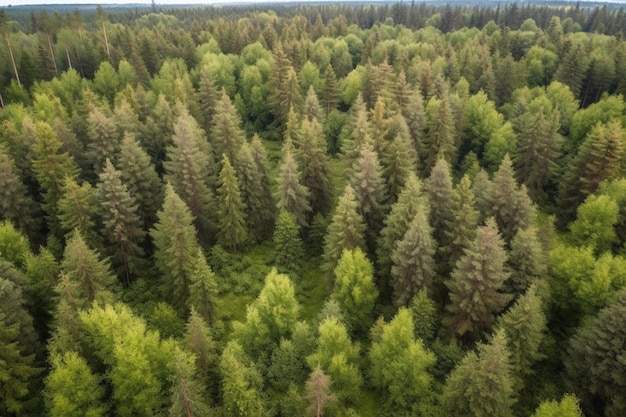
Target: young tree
{"points": [[318, 392], [288, 248], [475, 284], [104, 138], [313, 160], [198, 341], [78, 209], [345, 230], [481, 384], [122, 228], [202, 288], [292, 195], [265, 225], [355, 290], [440, 196], [241, 383], [527, 261], [230, 209], [400, 365], [567, 407], [413, 260], [226, 133], [72, 389], [15, 203], [399, 161], [595, 223], [439, 139], [461, 226], [188, 396]]}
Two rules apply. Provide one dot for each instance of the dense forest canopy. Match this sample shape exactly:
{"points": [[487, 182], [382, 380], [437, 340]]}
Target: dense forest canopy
{"points": [[347, 210]]}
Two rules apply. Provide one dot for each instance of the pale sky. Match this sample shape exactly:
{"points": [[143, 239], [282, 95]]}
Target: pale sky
{"points": [[103, 2]]}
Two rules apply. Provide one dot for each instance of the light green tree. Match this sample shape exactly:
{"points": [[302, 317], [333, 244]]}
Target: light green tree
{"points": [[231, 221]]}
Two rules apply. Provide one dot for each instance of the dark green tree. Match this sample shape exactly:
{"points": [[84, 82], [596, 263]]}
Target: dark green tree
{"points": [[104, 138], [292, 195], [440, 196], [461, 227], [122, 229], [288, 250], [78, 208], [226, 134], [265, 225], [475, 284], [203, 289], [230, 209], [439, 139]]}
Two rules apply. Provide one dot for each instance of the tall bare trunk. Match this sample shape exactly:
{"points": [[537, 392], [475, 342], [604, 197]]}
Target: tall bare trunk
{"points": [[17, 75], [54, 61], [106, 40], [69, 61]]}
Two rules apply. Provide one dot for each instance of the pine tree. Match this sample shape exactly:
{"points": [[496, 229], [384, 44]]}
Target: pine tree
{"points": [[481, 384], [312, 110], [226, 133], [330, 90], [288, 250], [440, 195], [241, 383], [122, 227], [475, 284], [188, 169], [159, 131], [346, 230], [292, 195], [524, 325], [527, 261], [142, 181], [198, 342], [356, 132], [413, 260], [72, 389], [313, 160], [439, 139], [370, 190], [400, 365], [230, 209], [207, 95], [15, 204], [318, 392], [176, 249], [481, 188], [355, 290], [399, 161], [104, 138], [461, 227]]}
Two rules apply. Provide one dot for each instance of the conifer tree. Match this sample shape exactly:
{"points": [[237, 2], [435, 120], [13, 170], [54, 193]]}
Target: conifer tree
{"points": [[415, 117], [313, 160], [482, 193], [481, 384], [400, 365], [594, 364], [346, 230], [475, 284], [318, 392], [461, 227], [176, 249], [337, 356], [226, 133], [230, 209], [509, 204], [370, 191], [527, 261], [188, 396], [439, 139], [410, 201], [312, 110], [288, 248], [198, 341], [159, 131], [91, 276], [77, 210], [15, 204], [188, 169], [357, 132], [413, 260], [399, 161], [292, 195], [122, 227], [104, 138], [202, 289], [72, 389], [330, 90], [567, 407], [265, 224], [524, 325], [142, 181], [241, 383], [355, 290], [207, 96], [440, 196]]}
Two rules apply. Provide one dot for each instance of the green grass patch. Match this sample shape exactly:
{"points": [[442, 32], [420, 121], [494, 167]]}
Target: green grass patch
{"points": [[311, 289]]}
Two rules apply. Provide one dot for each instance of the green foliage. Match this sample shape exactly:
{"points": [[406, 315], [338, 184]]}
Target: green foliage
{"points": [[14, 246], [72, 389], [318, 392], [78, 208], [292, 195], [567, 407], [231, 222], [241, 383], [187, 391], [594, 224], [355, 290], [400, 366], [287, 242]]}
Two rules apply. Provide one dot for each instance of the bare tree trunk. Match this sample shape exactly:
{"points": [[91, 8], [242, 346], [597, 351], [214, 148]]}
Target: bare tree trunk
{"points": [[1, 101], [17, 75], [69, 61], [54, 61], [106, 40]]}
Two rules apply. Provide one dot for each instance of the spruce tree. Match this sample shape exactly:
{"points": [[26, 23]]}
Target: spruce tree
{"points": [[440, 196], [481, 384], [122, 230], [199, 342], [188, 393], [251, 188], [475, 284], [413, 260], [461, 227], [241, 383], [288, 250], [230, 209], [527, 261], [265, 224], [176, 249], [292, 195], [203, 289], [15, 203], [567, 407], [330, 90], [188, 169], [355, 290], [318, 392], [104, 138], [207, 96], [226, 134], [399, 161], [346, 230], [142, 181], [78, 208], [313, 160], [370, 191], [312, 110], [439, 139]]}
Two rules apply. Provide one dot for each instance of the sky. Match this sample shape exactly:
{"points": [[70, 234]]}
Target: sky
{"points": [[103, 2]]}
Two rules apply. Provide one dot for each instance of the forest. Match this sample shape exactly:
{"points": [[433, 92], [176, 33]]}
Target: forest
{"points": [[338, 210]]}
